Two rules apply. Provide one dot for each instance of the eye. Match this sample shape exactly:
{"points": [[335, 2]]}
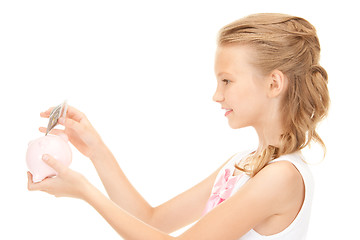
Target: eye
{"points": [[226, 81]]}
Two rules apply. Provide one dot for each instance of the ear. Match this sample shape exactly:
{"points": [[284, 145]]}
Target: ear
{"points": [[277, 83]]}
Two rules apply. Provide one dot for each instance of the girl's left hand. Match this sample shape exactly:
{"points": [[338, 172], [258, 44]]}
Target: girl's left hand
{"points": [[67, 183]]}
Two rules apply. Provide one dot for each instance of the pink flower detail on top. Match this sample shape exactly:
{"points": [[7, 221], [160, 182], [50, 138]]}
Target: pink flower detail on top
{"points": [[222, 190]]}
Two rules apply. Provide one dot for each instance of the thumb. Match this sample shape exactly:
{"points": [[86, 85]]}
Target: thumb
{"points": [[53, 163]]}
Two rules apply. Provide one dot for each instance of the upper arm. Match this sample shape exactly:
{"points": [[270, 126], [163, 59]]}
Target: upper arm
{"points": [[262, 196], [186, 207]]}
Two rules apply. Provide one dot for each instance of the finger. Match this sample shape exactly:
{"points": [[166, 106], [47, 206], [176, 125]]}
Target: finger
{"points": [[30, 181], [75, 114], [72, 124], [53, 131], [53, 163], [42, 129], [71, 112], [31, 185], [46, 114]]}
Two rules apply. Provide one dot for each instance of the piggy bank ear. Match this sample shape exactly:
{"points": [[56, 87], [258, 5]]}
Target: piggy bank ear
{"points": [[64, 136]]}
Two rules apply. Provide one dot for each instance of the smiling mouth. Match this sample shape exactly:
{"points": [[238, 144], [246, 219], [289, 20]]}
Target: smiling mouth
{"points": [[228, 112]]}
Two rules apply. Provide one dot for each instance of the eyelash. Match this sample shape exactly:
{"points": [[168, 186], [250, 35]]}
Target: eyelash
{"points": [[226, 81]]}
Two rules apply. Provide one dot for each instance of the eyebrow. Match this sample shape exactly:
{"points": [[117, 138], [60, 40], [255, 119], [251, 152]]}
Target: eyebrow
{"points": [[223, 73]]}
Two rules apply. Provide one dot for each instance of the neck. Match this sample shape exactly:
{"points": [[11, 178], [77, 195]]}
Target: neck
{"points": [[269, 134]]}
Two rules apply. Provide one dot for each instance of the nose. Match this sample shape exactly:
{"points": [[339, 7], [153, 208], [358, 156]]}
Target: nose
{"points": [[218, 96]]}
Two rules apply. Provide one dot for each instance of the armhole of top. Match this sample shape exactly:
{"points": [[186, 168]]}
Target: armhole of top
{"points": [[307, 196], [301, 166]]}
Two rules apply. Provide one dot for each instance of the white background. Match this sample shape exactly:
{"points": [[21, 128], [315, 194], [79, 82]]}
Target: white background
{"points": [[142, 71]]}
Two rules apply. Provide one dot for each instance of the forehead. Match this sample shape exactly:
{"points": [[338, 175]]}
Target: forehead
{"points": [[233, 59]]}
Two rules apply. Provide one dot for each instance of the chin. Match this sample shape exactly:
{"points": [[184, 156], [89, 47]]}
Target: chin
{"points": [[237, 125]]}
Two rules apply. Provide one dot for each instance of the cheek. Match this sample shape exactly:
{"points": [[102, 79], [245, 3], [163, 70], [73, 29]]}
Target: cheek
{"points": [[244, 99], [248, 105]]}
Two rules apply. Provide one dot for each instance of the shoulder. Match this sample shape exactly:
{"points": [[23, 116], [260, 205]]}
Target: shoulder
{"points": [[280, 183], [268, 193], [281, 172]]}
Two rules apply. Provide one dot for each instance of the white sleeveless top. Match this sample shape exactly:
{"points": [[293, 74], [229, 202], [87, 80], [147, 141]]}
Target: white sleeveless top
{"points": [[297, 230]]}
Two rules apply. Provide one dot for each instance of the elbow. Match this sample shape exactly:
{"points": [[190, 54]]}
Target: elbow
{"points": [[159, 221]]}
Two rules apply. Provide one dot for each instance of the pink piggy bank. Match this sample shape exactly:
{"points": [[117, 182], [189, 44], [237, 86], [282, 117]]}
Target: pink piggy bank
{"points": [[56, 146]]}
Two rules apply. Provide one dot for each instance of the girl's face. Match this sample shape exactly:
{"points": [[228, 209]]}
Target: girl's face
{"points": [[241, 89]]}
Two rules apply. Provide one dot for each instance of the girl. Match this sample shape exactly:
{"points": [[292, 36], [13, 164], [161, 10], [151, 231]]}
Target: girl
{"points": [[268, 77]]}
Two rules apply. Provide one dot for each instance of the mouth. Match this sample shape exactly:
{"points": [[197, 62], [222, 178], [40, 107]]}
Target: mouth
{"points": [[227, 111]]}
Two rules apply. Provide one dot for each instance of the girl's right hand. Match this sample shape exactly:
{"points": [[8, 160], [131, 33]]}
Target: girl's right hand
{"points": [[78, 129]]}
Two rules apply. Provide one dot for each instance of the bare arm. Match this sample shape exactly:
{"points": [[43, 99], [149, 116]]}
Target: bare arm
{"points": [[118, 186], [274, 185], [170, 216], [125, 224], [269, 193], [185, 208], [86, 139], [178, 212]]}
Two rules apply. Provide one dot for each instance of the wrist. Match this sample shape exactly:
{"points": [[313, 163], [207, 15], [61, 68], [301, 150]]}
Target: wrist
{"points": [[98, 152], [88, 191]]}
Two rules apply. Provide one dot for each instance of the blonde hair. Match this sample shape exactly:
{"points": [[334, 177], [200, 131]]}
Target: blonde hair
{"points": [[289, 44]]}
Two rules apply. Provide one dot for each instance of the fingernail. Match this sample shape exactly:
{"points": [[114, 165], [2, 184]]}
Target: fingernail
{"points": [[45, 157]]}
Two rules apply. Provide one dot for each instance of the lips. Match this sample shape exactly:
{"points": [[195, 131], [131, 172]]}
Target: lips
{"points": [[228, 111]]}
